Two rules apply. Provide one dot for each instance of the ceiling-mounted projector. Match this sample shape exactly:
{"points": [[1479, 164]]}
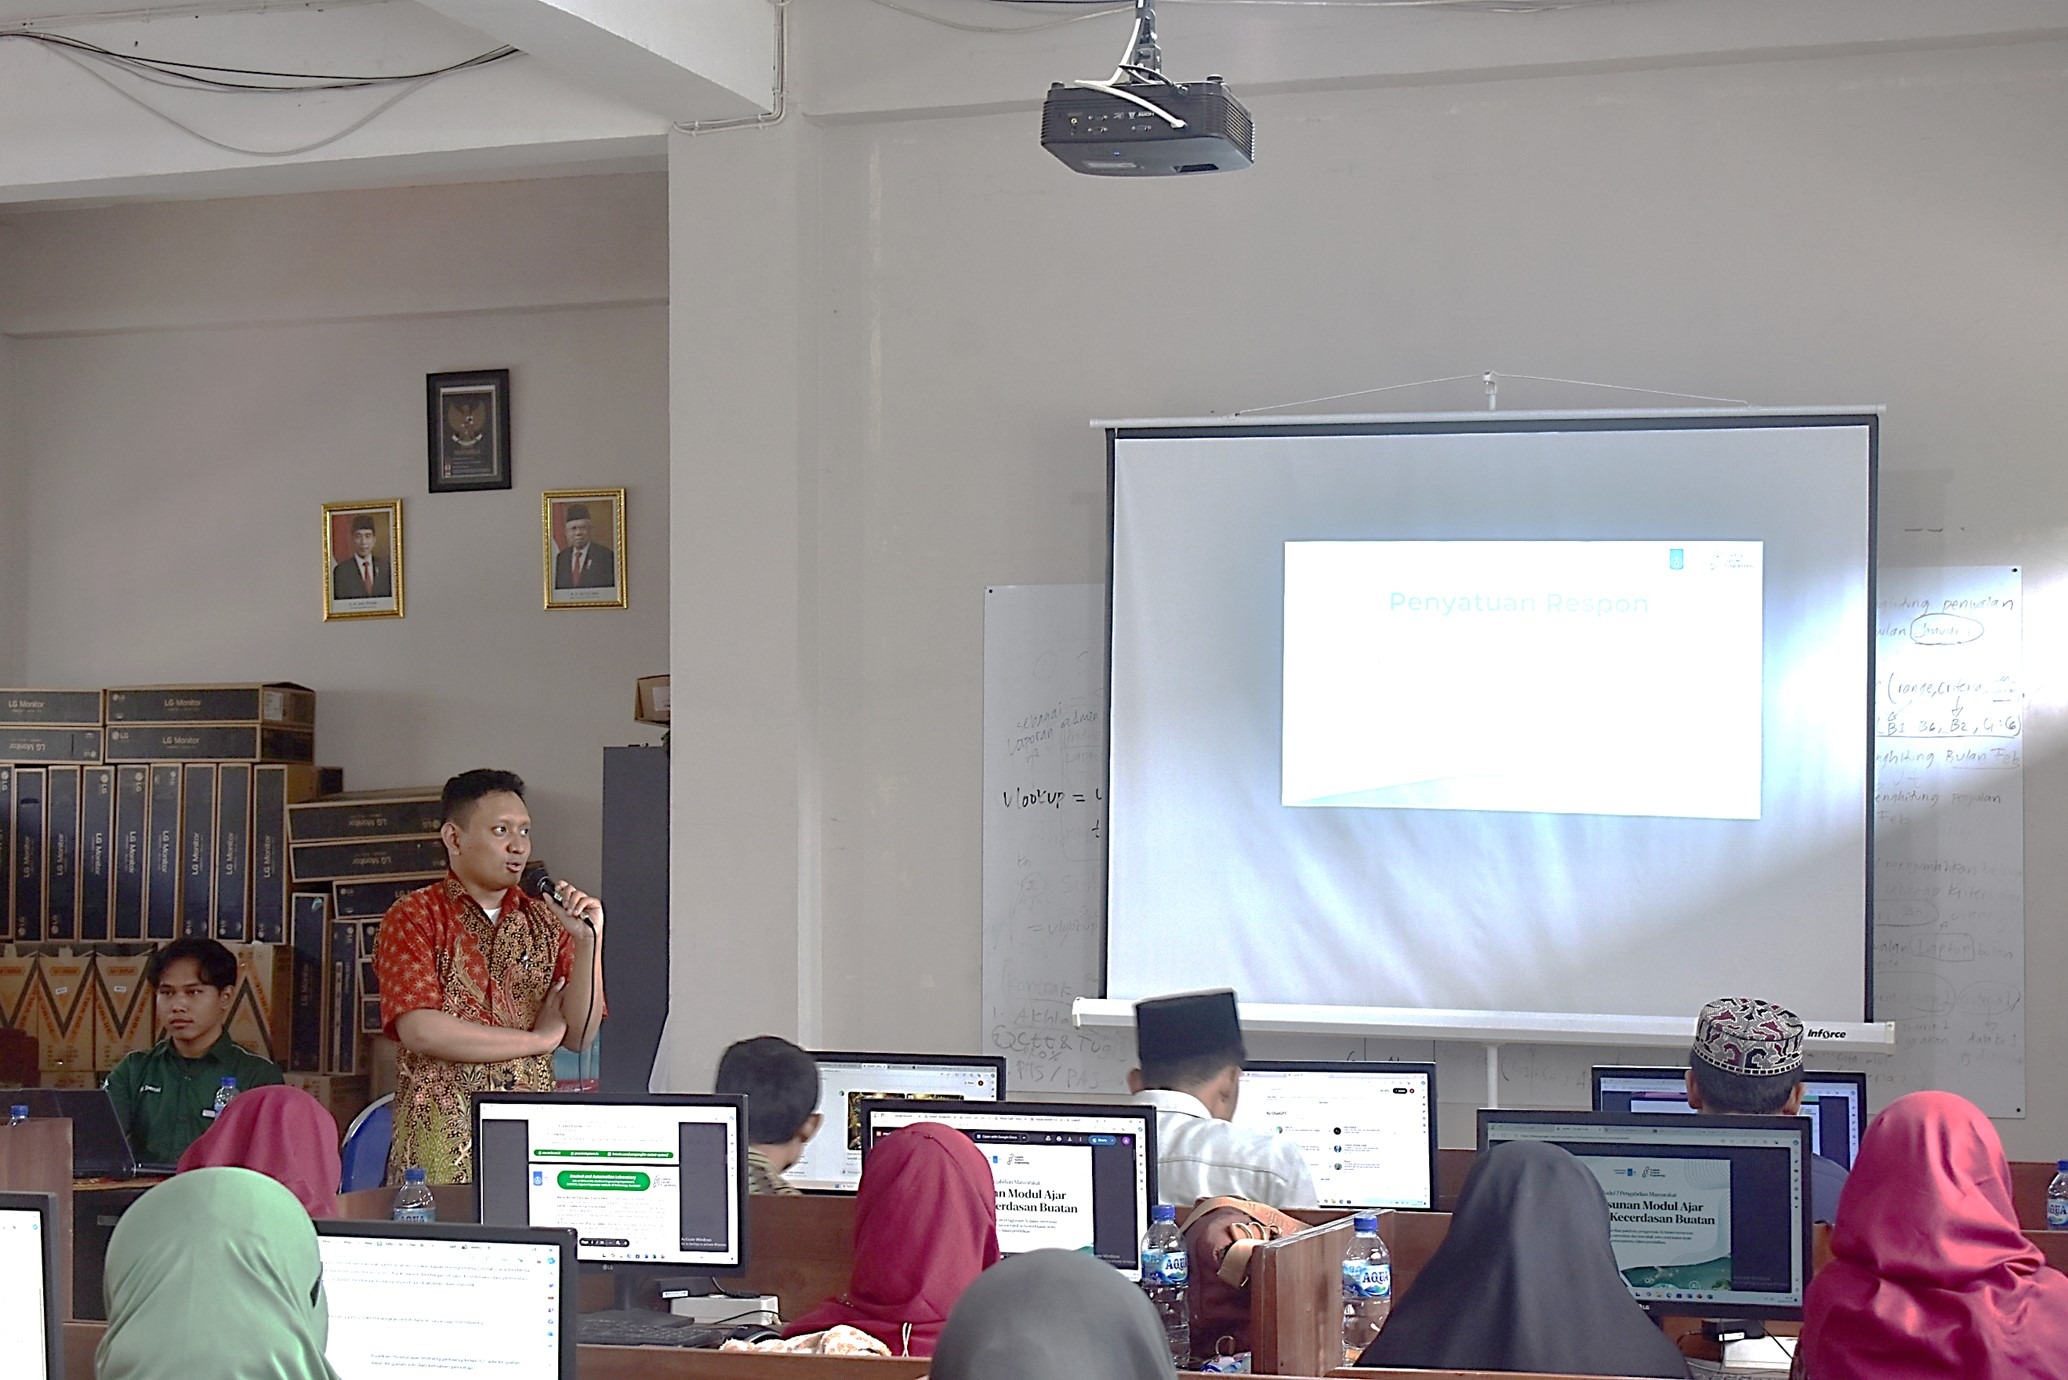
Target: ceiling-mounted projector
{"points": [[1141, 124]]}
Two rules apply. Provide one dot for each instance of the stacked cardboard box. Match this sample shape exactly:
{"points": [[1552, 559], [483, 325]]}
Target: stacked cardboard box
{"points": [[134, 815], [353, 856]]}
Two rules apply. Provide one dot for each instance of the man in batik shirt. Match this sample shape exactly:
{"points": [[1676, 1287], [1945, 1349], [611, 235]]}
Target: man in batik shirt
{"points": [[480, 983]]}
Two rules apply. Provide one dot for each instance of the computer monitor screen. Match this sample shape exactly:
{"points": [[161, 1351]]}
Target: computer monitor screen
{"points": [[417, 1300], [832, 1160], [100, 1148], [1835, 1103], [645, 1180], [1073, 1178], [1368, 1130], [1709, 1215], [28, 1284]]}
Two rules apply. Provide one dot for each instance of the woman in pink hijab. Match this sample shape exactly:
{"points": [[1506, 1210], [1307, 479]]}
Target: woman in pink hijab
{"points": [[281, 1132], [1930, 1277], [925, 1226]]}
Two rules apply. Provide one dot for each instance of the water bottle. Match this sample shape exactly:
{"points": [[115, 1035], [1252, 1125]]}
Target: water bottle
{"points": [[1367, 1287], [17, 1114], [223, 1095], [413, 1201], [1166, 1271], [2056, 1198]]}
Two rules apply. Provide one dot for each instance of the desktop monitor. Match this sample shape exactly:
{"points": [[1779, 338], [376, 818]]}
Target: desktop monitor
{"points": [[1834, 1103], [832, 1160], [454, 1300], [1074, 1178], [28, 1285], [1368, 1130], [646, 1180], [1709, 1215]]}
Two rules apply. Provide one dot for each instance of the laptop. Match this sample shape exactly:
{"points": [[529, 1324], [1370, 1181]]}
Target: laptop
{"points": [[100, 1149]]}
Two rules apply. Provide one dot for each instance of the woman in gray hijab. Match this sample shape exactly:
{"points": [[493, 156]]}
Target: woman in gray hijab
{"points": [[1053, 1315]]}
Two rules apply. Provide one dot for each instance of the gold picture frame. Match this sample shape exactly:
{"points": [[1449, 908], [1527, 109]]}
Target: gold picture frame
{"points": [[580, 571], [348, 589]]}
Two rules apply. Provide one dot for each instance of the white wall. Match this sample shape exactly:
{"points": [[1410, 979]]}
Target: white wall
{"points": [[1857, 229], [196, 380]]}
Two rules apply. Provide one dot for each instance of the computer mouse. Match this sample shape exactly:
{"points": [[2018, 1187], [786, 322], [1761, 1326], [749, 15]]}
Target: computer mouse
{"points": [[753, 1332]]}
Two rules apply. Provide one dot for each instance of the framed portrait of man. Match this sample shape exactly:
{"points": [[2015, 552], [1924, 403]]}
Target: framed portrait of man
{"points": [[362, 559], [469, 419], [584, 548]]}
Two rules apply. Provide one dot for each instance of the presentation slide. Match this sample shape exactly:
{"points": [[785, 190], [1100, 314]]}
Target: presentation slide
{"points": [[638, 1182], [1391, 647], [1492, 715], [1044, 1197], [1669, 1220]]}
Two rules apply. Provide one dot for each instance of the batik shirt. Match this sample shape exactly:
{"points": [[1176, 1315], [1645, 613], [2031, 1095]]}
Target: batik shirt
{"points": [[437, 950]]}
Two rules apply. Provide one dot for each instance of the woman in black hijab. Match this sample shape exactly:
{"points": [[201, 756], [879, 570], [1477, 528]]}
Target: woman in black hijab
{"points": [[1052, 1315], [1526, 1281]]}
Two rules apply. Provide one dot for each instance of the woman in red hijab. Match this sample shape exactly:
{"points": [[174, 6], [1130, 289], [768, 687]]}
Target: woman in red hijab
{"points": [[1930, 1276], [284, 1134], [925, 1226]]}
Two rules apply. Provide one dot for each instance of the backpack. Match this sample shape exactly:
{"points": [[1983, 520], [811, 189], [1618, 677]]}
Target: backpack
{"points": [[1220, 1236]]}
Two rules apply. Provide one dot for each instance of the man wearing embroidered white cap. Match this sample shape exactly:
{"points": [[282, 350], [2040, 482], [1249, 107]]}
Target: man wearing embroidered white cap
{"points": [[1191, 1054], [1747, 1061]]}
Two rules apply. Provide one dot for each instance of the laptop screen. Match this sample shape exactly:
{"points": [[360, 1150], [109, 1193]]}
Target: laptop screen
{"points": [[449, 1301]]}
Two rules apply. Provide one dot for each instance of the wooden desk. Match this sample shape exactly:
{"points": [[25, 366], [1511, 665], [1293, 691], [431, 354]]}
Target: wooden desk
{"points": [[801, 1249], [36, 1157]]}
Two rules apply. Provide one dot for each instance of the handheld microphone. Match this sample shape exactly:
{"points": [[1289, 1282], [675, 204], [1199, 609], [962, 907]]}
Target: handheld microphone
{"points": [[536, 881]]}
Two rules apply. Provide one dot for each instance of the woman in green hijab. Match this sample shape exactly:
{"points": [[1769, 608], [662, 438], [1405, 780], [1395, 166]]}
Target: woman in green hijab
{"points": [[215, 1273]]}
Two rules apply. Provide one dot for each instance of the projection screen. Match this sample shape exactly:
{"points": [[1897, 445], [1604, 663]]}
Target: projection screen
{"points": [[1560, 713]]}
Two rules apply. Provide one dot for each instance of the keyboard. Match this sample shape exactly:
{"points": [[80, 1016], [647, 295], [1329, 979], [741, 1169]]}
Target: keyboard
{"points": [[643, 1327]]}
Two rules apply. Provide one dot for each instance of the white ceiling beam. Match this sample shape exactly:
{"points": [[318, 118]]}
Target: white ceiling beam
{"points": [[712, 60]]}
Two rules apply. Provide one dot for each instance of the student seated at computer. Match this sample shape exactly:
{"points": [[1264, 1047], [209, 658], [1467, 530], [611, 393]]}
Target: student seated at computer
{"points": [[1747, 1061], [1930, 1275], [215, 1273], [284, 1134], [925, 1226], [1191, 1054], [1525, 1280], [165, 1095], [1053, 1315], [781, 1084]]}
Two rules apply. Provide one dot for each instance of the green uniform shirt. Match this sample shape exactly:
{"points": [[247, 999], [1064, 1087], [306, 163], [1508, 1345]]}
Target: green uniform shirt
{"points": [[165, 1100]]}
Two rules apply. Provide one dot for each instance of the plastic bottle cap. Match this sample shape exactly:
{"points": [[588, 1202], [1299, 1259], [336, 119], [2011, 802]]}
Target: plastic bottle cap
{"points": [[1365, 1222], [229, 1082], [412, 1175], [19, 1109], [2061, 1165], [1165, 1212]]}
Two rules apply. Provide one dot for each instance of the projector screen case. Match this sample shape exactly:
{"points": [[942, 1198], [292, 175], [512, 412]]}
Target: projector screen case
{"points": [[1555, 713]]}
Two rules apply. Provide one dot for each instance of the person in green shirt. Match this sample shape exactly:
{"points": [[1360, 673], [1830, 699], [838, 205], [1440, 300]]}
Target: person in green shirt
{"points": [[165, 1096]]}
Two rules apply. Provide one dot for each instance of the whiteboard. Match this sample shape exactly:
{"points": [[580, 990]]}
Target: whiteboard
{"points": [[1045, 837], [1949, 835]]}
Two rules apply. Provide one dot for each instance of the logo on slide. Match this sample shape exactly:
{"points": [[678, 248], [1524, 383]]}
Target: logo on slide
{"points": [[1676, 558]]}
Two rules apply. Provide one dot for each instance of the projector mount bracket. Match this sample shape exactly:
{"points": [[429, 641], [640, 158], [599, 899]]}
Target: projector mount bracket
{"points": [[1141, 65]]}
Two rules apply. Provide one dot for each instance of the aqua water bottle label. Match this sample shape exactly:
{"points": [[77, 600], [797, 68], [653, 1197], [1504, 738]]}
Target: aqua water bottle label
{"points": [[1172, 1268], [2057, 1214], [1367, 1279], [415, 1214]]}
